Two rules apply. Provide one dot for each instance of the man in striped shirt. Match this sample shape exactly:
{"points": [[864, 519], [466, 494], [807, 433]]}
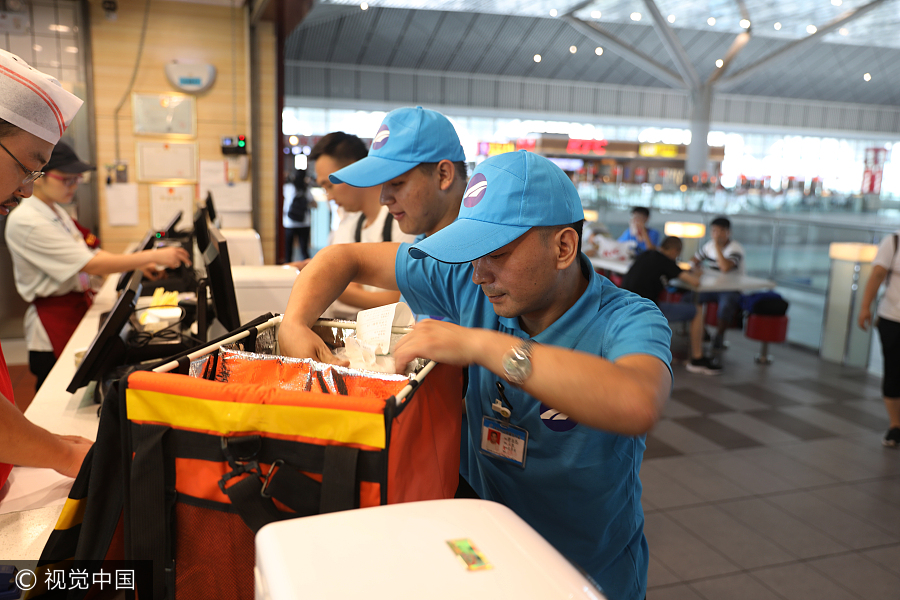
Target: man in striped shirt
{"points": [[721, 254]]}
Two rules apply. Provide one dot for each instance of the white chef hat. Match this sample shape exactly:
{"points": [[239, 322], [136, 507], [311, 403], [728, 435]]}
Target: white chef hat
{"points": [[34, 101]]}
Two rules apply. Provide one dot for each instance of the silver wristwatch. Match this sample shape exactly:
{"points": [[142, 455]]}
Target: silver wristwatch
{"points": [[517, 362]]}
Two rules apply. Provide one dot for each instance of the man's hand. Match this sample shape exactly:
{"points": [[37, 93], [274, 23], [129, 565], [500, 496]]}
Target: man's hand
{"points": [[438, 341], [76, 448], [299, 341], [171, 257], [865, 318]]}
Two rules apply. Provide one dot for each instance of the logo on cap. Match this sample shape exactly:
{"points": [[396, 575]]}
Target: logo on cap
{"points": [[475, 191], [381, 137], [555, 420]]}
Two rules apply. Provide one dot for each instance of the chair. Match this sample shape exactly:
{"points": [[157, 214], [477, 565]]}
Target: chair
{"points": [[765, 329]]}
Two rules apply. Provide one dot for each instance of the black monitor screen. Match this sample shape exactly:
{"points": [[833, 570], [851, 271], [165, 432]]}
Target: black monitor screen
{"points": [[221, 284], [201, 230], [107, 351], [169, 230], [210, 207]]}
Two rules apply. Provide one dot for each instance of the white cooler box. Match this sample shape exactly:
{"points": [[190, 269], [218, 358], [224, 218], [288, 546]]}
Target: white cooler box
{"points": [[401, 552], [262, 289]]}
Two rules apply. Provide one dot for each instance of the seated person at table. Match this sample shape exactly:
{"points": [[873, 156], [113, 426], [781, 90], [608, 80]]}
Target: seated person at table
{"points": [[366, 219], [643, 237], [54, 257], [647, 277], [28, 131], [585, 364], [723, 255]]}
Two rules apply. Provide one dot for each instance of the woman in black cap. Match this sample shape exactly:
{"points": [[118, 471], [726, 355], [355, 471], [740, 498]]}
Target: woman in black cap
{"points": [[54, 257]]}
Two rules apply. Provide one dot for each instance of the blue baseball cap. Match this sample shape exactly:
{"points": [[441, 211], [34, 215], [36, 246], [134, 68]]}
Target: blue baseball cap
{"points": [[507, 195], [407, 138]]}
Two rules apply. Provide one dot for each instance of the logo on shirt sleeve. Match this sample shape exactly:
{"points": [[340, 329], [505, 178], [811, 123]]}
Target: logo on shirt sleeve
{"points": [[555, 420], [381, 137], [475, 191]]}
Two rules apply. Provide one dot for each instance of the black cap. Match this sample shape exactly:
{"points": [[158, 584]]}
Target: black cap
{"points": [[64, 159]]}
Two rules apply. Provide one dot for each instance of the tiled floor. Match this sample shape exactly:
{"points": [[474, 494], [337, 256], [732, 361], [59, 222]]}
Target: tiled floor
{"points": [[771, 483]]}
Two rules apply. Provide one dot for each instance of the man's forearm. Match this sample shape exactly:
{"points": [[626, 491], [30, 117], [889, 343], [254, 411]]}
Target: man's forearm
{"points": [[624, 397], [320, 283], [24, 443]]}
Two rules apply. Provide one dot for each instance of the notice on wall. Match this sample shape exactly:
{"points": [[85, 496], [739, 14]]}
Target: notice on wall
{"points": [[212, 172], [122, 204], [167, 200], [231, 197]]}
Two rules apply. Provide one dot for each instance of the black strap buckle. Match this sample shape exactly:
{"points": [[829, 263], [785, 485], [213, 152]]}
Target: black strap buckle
{"points": [[240, 453]]}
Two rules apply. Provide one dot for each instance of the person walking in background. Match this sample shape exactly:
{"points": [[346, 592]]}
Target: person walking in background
{"points": [[643, 237], [886, 267], [297, 217]]}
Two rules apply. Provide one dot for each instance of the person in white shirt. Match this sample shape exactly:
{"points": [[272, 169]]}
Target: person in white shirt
{"points": [[886, 269], [34, 112], [724, 255], [53, 262], [366, 219]]}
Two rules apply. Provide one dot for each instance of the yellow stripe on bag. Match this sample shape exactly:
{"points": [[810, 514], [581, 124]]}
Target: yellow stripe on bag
{"points": [[225, 418], [72, 514]]}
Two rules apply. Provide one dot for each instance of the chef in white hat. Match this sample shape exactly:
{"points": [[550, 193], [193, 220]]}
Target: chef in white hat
{"points": [[34, 112]]}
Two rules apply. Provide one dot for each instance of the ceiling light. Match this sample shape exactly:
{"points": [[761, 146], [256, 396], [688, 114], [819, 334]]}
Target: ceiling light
{"points": [[537, 58], [598, 51], [635, 16], [72, 49], [573, 49], [719, 63], [293, 140], [553, 12], [37, 47], [711, 21], [777, 26], [745, 23], [843, 31], [837, 2], [867, 77], [671, 18], [364, 6], [595, 14], [811, 29]]}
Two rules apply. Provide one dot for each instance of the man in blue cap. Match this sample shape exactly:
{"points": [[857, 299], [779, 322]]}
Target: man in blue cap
{"points": [[417, 159], [570, 370]]}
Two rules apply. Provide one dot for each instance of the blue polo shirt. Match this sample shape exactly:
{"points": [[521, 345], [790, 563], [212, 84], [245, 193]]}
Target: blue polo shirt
{"points": [[580, 487], [639, 246]]}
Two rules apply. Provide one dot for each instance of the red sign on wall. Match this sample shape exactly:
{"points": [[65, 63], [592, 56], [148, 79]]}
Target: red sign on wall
{"points": [[586, 147]]}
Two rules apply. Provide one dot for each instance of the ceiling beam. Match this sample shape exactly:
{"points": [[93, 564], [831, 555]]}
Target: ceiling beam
{"points": [[736, 46], [793, 48], [626, 51], [673, 46]]}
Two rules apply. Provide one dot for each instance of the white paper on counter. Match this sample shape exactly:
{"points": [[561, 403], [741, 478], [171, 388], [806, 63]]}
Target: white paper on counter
{"points": [[122, 204], [28, 489], [166, 200], [373, 326], [212, 172]]}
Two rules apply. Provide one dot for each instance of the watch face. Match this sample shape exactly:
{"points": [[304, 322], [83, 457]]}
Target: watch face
{"points": [[517, 367]]}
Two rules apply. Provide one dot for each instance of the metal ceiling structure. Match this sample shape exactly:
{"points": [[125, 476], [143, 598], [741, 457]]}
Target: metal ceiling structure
{"points": [[501, 38]]}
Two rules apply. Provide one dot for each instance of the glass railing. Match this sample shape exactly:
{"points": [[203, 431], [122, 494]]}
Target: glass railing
{"points": [[671, 197], [791, 249]]}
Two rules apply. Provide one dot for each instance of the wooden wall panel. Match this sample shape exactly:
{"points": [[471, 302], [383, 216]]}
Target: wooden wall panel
{"points": [[175, 31]]}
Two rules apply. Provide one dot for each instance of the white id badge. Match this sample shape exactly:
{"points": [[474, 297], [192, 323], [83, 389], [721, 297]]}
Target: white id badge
{"points": [[504, 441]]}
